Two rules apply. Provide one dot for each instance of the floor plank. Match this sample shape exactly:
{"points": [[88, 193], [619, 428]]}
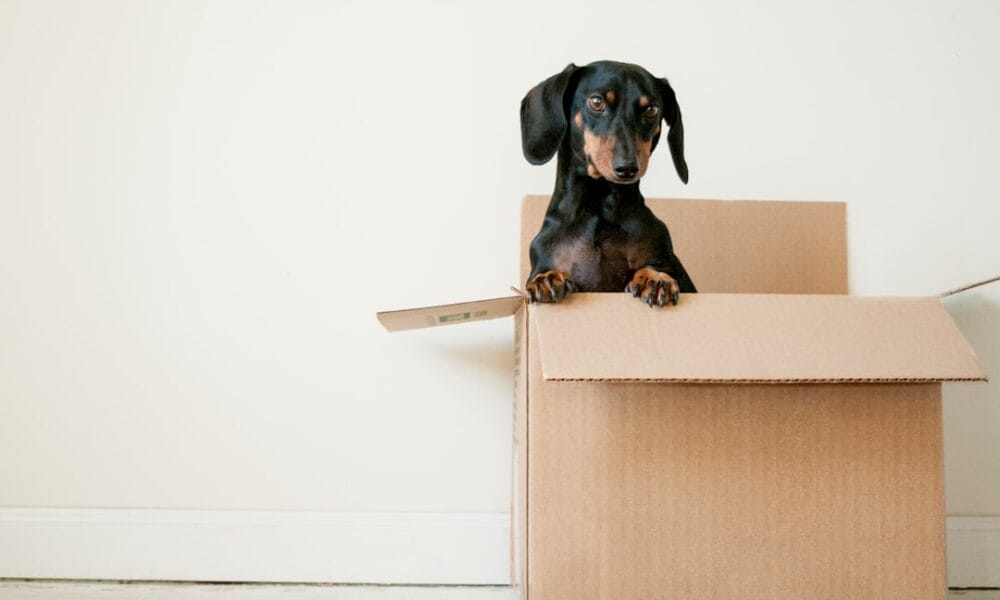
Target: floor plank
{"points": [[52, 590], [60, 590]]}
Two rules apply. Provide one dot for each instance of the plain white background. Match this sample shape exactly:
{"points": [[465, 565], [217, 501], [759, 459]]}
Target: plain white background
{"points": [[203, 204]]}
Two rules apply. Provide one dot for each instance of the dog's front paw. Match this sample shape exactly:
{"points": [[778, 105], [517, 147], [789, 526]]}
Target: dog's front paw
{"points": [[549, 286], [653, 287]]}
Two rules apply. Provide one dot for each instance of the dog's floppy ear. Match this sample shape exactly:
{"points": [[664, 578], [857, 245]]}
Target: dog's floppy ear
{"points": [[675, 138], [543, 117]]}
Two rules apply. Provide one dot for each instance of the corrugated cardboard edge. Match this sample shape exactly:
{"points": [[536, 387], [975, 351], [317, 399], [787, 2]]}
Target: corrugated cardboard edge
{"points": [[519, 472], [772, 381]]}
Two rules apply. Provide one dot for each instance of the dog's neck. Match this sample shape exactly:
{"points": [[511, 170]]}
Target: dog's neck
{"points": [[575, 190]]}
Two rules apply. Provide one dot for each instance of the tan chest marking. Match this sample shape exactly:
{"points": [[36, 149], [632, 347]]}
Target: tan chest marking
{"points": [[579, 258]]}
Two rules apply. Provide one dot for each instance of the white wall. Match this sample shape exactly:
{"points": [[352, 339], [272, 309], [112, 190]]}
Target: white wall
{"points": [[202, 205]]}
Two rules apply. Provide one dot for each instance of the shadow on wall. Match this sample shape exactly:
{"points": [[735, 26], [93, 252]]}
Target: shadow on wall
{"points": [[978, 316], [484, 351], [972, 410], [494, 357]]}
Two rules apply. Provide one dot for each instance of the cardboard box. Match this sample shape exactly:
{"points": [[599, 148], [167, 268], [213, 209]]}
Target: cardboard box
{"points": [[770, 437]]}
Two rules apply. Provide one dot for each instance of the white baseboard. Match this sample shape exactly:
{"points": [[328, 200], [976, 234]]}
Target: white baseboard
{"points": [[974, 552], [412, 548], [197, 545]]}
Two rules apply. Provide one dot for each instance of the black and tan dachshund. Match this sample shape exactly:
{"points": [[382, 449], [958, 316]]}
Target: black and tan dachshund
{"points": [[603, 119]]}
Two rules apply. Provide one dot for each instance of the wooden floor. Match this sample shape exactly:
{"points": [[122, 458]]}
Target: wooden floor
{"points": [[58, 590], [62, 590]]}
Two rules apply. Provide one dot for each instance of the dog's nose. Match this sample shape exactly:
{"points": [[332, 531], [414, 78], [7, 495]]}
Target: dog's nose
{"points": [[626, 170]]}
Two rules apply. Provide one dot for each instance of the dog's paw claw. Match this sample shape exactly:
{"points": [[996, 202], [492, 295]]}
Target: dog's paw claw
{"points": [[549, 286], [653, 287]]}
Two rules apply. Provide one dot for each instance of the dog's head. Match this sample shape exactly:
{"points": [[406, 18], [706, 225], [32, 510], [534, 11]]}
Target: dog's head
{"points": [[609, 113]]}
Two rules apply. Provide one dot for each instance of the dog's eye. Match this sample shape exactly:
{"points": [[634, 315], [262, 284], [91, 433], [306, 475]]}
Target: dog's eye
{"points": [[596, 103], [652, 111]]}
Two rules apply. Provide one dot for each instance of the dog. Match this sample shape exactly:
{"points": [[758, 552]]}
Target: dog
{"points": [[604, 121]]}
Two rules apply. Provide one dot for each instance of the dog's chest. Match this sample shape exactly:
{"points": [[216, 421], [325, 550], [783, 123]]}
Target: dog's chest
{"points": [[596, 257]]}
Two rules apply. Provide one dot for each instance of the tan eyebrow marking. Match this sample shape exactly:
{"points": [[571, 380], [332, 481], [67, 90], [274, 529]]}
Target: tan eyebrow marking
{"points": [[644, 101], [610, 95]]}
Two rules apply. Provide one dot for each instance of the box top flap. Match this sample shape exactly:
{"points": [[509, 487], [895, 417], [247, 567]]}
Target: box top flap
{"points": [[450, 314], [742, 246], [752, 338]]}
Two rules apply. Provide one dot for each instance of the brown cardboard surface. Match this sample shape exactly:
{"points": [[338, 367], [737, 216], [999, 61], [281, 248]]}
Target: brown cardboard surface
{"points": [[449, 314], [742, 246], [734, 491], [753, 338]]}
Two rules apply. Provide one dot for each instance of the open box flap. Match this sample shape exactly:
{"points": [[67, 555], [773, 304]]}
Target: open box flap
{"points": [[450, 314], [752, 338], [742, 246]]}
